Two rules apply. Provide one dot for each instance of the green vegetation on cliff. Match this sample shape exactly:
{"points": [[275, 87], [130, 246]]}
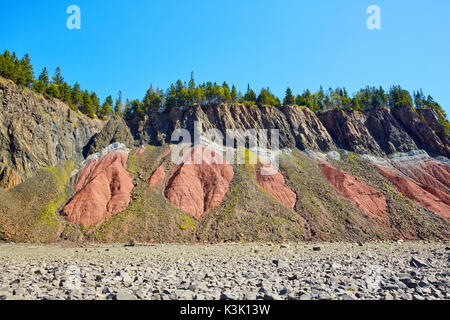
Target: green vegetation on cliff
{"points": [[30, 211]]}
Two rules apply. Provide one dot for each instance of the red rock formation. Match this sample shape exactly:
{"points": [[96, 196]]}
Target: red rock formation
{"points": [[157, 177], [436, 201], [273, 182], [366, 198], [103, 189], [140, 151], [198, 187], [430, 173]]}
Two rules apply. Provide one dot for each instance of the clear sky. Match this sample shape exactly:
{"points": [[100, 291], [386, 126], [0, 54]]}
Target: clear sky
{"points": [[127, 45]]}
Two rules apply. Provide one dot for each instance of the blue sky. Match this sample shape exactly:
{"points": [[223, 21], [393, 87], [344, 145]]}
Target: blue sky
{"points": [[127, 45]]}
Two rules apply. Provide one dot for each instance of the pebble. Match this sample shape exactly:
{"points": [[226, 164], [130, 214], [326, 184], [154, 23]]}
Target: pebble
{"points": [[336, 271]]}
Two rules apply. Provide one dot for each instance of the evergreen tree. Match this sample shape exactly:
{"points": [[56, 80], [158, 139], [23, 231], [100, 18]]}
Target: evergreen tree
{"points": [[77, 96], [65, 93], [109, 100], [234, 96], [170, 97], [152, 101], [118, 106], [95, 103], [7, 66], [52, 91], [289, 99], [25, 70], [106, 109], [58, 78], [267, 98], [38, 87], [44, 76], [399, 98], [87, 107], [250, 95], [226, 92], [192, 92]]}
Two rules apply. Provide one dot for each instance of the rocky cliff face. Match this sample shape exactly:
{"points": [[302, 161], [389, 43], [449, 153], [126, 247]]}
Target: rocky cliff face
{"points": [[377, 132], [349, 183], [115, 130], [419, 130], [36, 132]]}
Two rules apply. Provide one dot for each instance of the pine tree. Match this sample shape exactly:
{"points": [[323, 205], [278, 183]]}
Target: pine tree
{"points": [[52, 91], [44, 76], [25, 75], [106, 109], [38, 87], [7, 65], [65, 93], [95, 103], [192, 92], [109, 100], [289, 99], [77, 96], [58, 78], [226, 92], [87, 107], [118, 106], [234, 97], [250, 95], [267, 98]]}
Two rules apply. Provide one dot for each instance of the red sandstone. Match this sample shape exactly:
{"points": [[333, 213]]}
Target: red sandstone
{"points": [[273, 182], [196, 188], [157, 177], [140, 151], [362, 196], [436, 200], [103, 189]]}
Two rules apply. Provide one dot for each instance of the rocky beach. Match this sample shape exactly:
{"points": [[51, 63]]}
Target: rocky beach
{"points": [[300, 271]]}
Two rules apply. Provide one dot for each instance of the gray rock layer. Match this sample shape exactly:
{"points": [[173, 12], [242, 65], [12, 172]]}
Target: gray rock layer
{"points": [[377, 132], [36, 132]]}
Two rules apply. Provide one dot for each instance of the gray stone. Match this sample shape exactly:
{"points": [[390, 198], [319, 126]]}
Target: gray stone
{"points": [[417, 263]]}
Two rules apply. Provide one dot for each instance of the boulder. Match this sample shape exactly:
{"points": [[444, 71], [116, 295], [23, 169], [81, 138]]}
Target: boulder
{"points": [[9, 178]]}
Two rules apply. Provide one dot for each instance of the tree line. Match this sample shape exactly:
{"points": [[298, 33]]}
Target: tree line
{"points": [[184, 94], [87, 102]]}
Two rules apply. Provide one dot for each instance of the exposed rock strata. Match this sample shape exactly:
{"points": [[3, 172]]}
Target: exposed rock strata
{"points": [[36, 132], [435, 200], [196, 188], [102, 190], [114, 131], [366, 198], [157, 177], [273, 182], [9, 178]]}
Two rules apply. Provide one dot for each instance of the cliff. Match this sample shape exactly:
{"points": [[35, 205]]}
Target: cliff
{"points": [[36, 132], [377, 132], [352, 176]]}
